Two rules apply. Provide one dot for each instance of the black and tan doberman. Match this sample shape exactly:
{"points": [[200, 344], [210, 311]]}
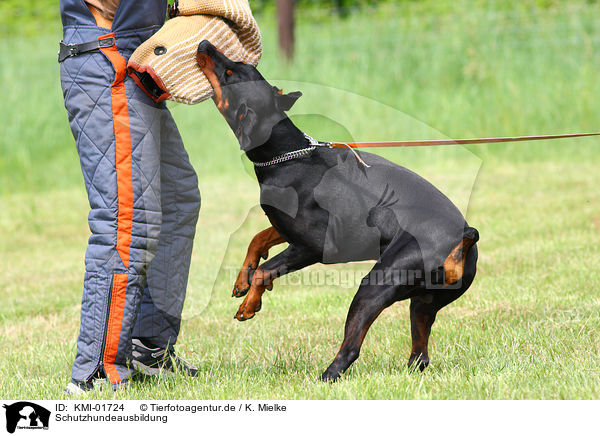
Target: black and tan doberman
{"points": [[332, 206]]}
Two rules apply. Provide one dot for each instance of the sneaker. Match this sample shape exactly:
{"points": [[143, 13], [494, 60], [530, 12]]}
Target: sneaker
{"points": [[77, 389], [153, 361]]}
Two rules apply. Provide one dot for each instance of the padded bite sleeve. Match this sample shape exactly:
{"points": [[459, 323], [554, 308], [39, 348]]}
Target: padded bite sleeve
{"points": [[165, 65]]}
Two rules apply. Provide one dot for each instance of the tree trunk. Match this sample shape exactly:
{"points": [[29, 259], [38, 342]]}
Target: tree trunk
{"points": [[285, 18]]}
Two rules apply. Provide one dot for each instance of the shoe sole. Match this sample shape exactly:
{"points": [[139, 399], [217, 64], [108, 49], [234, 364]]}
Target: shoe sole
{"points": [[74, 391], [149, 371]]}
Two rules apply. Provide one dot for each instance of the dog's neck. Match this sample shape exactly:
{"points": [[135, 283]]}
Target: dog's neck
{"points": [[285, 137]]}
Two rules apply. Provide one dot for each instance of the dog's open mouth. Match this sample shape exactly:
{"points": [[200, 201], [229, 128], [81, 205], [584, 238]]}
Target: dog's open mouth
{"points": [[146, 78]]}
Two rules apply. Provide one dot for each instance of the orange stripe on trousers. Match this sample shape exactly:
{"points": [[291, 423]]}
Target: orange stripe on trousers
{"points": [[120, 112], [113, 328]]}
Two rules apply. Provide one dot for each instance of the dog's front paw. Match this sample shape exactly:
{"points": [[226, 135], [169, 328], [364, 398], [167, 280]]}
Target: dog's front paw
{"points": [[246, 311], [239, 292], [243, 316], [243, 281]]}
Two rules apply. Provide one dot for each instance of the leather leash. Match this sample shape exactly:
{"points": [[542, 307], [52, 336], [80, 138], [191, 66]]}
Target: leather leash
{"points": [[421, 143], [418, 143]]}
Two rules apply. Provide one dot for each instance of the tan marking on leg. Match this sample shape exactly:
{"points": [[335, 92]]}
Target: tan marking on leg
{"points": [[259, 246], [260, 282]]}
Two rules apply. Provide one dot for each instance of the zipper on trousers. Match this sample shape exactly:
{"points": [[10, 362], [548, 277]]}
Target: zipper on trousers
{"points": [[100, 364]]}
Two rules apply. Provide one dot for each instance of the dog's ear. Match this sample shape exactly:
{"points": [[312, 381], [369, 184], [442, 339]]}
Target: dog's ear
{"points": [[286, 101], [252, 130], [245, 120]]}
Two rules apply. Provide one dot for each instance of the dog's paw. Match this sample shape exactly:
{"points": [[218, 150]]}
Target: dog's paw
{"points": [[237, 293], [242, 284], [245, 312], [418, 361], [329, 376], [242, 316]]}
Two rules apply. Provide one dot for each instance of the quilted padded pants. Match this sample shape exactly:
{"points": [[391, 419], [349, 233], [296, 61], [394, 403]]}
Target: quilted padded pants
{"points": [[142, 190]]}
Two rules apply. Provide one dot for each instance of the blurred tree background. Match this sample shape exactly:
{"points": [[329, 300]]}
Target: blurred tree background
{"points": [[32, 16]]}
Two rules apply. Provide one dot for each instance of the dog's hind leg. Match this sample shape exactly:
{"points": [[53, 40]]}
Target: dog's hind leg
{"points": [[366, 306], [259, 247], [424, 308], [397, 274], [289, 260]]}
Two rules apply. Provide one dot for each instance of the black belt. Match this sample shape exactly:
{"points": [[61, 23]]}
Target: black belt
{"points": [[68, 50]]}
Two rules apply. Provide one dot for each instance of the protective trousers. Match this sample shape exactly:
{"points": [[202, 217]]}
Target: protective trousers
{"points": [[142, 190]]}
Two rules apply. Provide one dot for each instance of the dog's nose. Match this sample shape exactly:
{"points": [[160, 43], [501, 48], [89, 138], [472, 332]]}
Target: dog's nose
{"points": [[205, 47], [205, 53]]}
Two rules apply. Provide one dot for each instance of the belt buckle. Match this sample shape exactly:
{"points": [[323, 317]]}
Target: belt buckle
{"points": [[106, 42], [61, 51]]}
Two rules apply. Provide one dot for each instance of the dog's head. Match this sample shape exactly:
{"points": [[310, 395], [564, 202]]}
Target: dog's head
{"points": [[249, 104]]}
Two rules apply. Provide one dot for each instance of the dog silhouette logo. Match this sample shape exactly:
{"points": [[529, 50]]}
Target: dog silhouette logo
{"points": [[26, 415]]}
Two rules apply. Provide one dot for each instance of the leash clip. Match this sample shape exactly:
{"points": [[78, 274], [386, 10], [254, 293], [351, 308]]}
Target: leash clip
{"points": [[314, 143]]}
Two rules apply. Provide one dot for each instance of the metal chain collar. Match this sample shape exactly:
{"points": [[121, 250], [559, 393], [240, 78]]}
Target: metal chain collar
{"points": [[294, 154]]}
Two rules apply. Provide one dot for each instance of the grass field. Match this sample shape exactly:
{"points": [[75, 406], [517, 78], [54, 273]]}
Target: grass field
{"points": [[527, 328]]}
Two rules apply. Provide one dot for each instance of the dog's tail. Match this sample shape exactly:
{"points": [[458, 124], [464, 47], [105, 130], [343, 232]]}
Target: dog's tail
{"points": [[472, 234], [454, 265]]}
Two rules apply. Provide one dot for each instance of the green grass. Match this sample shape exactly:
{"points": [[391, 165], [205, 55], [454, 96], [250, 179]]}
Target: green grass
{"points": [[528, 327]]}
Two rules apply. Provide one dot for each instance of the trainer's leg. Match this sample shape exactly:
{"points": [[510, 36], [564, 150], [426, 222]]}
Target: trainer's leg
{"points": [[125, 206], [159, 317]]}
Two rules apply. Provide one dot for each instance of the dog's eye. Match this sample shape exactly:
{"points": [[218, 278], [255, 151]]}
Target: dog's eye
{"points": [[229, 72]]}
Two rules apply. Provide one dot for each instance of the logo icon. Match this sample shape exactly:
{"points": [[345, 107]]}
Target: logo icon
{"points": [[26, 415]]}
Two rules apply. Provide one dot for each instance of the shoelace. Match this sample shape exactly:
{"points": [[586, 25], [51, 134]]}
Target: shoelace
{"points": [[172, 355]]}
